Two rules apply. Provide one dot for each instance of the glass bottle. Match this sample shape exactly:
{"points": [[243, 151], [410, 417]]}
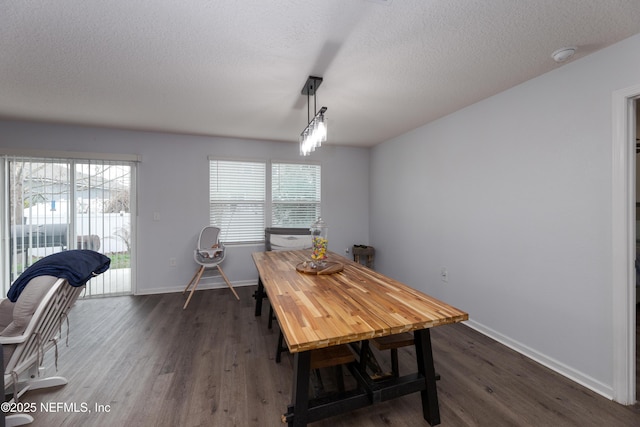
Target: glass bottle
{"points": [[319, 232]]}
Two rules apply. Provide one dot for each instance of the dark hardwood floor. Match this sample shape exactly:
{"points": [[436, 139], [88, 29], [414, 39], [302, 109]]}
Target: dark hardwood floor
{"points": [[143, 361]]}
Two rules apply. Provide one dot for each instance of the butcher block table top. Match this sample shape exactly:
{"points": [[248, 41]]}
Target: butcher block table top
{"points": [[316, 311]]}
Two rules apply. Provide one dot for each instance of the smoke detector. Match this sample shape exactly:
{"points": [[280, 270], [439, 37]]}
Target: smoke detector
{"points": [[563, 54]]}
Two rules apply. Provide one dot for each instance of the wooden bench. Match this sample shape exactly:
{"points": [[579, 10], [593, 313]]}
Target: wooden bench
{"points": [[327, 357], [331, 356], [393, 343]]}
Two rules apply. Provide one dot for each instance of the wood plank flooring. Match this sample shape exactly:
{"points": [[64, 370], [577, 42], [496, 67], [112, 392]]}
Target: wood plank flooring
{"points": [[149, 363]]}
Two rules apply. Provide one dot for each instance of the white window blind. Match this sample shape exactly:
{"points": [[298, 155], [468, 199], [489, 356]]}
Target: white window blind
{"points": [[56, 204], [295, 194], [237, 199]]}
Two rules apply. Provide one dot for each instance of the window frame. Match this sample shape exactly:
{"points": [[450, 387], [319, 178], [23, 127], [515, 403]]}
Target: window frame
{"points": [[248, 202], [78, 230], [268, 202], [317, 203]]}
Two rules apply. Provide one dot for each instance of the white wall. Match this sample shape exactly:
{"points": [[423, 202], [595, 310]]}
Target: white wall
{"points": [[173, 181], [513, 196]]}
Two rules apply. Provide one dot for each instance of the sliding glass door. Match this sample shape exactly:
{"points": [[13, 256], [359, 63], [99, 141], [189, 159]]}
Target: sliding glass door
{"points": [[54, 205]]}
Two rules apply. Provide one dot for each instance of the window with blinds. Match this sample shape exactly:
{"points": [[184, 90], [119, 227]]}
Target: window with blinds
{"points": [[244, 199], [237, 199], [56, 204], [295, 194]]}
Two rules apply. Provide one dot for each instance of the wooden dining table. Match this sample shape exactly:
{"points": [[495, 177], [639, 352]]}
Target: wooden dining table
{"points": [[354, 305]]}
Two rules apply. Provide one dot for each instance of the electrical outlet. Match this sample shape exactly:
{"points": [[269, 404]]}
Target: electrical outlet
{"points": [[172, 262], [346, 251], [444, 274]]}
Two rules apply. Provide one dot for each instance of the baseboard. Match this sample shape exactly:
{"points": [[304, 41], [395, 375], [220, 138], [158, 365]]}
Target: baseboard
{"points": [[551, 363], [203, 285]]}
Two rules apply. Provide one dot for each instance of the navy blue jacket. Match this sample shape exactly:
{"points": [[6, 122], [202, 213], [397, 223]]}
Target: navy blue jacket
{"points": [[77, 266]]}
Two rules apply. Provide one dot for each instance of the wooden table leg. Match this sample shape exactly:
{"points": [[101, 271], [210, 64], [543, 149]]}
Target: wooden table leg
{"points": [[424, 357], [259, 294], [300, 392]]}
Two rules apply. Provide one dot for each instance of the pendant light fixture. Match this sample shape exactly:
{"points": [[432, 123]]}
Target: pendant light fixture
{"points": [[315, 133]]}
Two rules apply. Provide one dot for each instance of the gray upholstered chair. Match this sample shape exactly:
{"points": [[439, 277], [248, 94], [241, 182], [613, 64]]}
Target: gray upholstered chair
{"points": [[289, 239], [280, 239], [283, 239]]}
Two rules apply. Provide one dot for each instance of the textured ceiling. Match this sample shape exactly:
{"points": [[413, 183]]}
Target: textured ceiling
{"points": [[236, 68]]}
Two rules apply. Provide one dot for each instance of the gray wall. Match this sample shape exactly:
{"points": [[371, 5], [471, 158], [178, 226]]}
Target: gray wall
{"points": [[513, 196], [173, 181]]}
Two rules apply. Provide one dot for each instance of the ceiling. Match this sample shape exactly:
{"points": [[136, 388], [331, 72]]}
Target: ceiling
{"points": [[237, 68]]}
